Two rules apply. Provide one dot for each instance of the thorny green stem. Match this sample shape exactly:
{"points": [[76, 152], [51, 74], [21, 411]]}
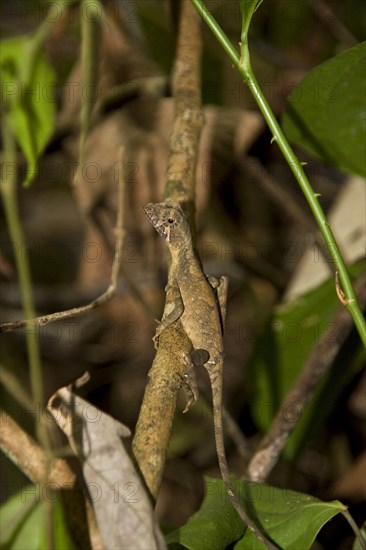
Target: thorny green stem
{"points": [[242, 63]]}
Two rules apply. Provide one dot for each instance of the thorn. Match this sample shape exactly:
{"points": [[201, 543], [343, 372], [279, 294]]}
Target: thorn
{"points": [[341, 295], [273, 139], [303, 163], [317, 195], [81, 381]]}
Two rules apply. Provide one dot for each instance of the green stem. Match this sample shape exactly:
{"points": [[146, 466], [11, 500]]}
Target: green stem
{"points": [[357, 531], [37, 40], [8, 192], [90, 56], [242, 63]]}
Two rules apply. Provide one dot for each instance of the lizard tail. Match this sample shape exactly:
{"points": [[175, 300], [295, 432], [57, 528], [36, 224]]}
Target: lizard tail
{"points": [[220, 449]]}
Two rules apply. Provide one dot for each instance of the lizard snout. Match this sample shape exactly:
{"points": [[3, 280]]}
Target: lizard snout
{"points": [[153, 213]]}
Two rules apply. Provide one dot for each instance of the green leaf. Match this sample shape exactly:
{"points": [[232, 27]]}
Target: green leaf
{"points": [[20, 516], [214, 526], [326, 113], [23, 521], [290, 519], [28, 82], [281, 353], [247, 8]]}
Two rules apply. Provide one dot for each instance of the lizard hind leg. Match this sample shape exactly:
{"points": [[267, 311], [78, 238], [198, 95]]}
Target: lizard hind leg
{"points": [[196, 358], [190, 382]]}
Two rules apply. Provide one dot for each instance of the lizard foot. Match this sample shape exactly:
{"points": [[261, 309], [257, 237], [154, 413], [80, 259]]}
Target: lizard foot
{"points": [[214, 281], [190, 383], [156, 336]]}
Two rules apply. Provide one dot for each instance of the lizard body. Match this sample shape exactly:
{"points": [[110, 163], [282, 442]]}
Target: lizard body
{"points": [[202, 314]]}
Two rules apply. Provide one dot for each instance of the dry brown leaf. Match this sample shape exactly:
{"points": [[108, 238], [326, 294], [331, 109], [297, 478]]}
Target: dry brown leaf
{"points": [[121, 503]]}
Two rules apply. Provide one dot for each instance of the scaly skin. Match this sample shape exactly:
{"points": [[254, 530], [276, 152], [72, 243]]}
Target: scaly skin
{"points": [[199, 311]]}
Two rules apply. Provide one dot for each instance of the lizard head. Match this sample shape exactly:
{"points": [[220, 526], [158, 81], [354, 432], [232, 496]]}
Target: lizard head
{"points": [[169, 221]]}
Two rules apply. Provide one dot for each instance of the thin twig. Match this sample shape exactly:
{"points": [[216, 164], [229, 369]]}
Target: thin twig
{"points": [[337, 27], [284, 198], [107, 295], [276, 191], [231, 427], [317, 365], [15, 388], [235, 433], [60, 315]]}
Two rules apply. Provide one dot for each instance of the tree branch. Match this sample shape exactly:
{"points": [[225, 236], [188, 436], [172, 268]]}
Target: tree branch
{"points": [[165, 377]]}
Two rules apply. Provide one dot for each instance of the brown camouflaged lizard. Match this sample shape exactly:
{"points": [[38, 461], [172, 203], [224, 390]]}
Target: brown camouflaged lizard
{"points": [[200, 304]]}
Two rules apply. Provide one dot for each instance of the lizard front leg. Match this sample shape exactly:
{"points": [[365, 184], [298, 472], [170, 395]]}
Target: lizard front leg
{"points": [[173, 310]]}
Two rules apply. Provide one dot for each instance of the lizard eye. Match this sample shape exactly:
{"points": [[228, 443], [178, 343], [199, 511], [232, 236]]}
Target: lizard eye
{"points": [[170, 220]]}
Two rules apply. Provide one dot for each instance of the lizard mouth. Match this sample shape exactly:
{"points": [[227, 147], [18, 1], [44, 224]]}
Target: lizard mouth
{"points": [[153, 215]]}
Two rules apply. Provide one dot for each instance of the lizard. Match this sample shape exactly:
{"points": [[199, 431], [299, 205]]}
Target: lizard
{"points": [[200, 304]]}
